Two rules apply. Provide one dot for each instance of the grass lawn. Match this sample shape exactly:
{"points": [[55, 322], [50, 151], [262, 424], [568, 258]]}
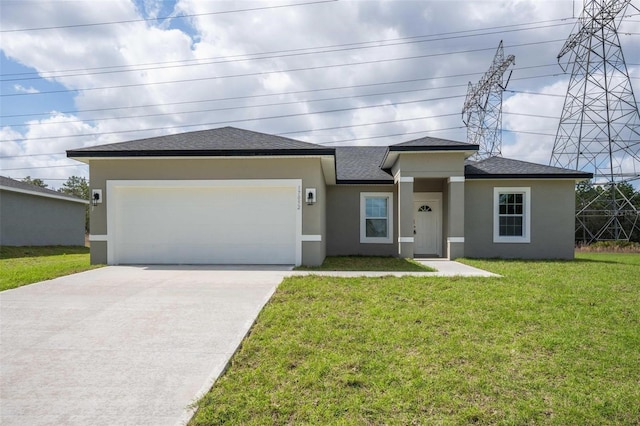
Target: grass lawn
{"points": [[367, 263], [549, 343], [25, 265]]}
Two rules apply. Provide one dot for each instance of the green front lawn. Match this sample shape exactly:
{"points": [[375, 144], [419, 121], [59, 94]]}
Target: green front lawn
{"points": [[367, 263], [25, 265], [549, 343]]}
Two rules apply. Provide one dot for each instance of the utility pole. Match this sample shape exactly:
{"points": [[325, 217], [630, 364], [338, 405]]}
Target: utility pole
{"points": [[599, 129], [482, 111]]}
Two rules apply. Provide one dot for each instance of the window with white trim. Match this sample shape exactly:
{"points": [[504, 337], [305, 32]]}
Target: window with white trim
{"points": [[512, 215], [376, 217]]}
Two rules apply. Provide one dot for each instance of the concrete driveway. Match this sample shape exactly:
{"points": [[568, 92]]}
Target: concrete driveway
{"points": [[123, 345]]}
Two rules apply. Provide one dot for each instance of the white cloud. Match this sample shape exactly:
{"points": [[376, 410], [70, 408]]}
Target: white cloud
{"points": [[152, 8], [43, 145], [534, 118], [225, 46], [21, 89]]}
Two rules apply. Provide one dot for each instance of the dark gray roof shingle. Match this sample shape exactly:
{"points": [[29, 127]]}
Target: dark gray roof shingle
{"points": [[506, 168], [355, 164], [23, 186], [361, 164], [224, 141], [428, 143]]}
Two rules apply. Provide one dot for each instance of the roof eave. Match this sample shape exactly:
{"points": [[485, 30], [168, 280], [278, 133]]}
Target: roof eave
{"points": [[43, 194], [78, 154], [364, 182], [530, 176], [465, 147]]}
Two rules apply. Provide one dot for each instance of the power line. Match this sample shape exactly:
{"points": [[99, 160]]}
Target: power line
{"points": [[423, 131], [334, 128], [32, 155], [45, 167], [159, 114], [534, 93], [316, 143], [345, 127], [239, 120], [545, 94], [418, 132], [273, 71], [235, 97], [44, 178], [388, 136], [287, 133], [243, 120], [529, 132], [39, 74], [305, 48], [244, 106], [259, 56], [272, 94], [531, 115], [129, 21]]}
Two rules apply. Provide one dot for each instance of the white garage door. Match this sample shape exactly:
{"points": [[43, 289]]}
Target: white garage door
{"points": [[204, 222]]}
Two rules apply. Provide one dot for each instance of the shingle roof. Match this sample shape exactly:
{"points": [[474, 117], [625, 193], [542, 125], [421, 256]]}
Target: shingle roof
{"points": [[225, 141], [428, 143], [16, 185], [361, 164], [356, 164], [506, 168]]}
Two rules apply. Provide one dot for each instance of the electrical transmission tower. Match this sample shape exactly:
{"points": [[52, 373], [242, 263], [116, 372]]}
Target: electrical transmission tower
{"points": [[599, 130], [482, 111]]}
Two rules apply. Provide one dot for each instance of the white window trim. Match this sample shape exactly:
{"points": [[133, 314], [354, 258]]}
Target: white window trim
{"points": [[526, 226], [363, 210]]}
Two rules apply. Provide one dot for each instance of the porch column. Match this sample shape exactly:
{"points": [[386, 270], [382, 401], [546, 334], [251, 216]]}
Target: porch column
{"points": [[455, 231], [405, 217]]}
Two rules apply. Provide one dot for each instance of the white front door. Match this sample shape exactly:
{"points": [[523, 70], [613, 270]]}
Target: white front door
{"points": [[427, 228]]}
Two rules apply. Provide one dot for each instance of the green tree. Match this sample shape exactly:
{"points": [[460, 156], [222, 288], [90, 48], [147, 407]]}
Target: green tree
{"points": [[78, 187], [36, 182]]}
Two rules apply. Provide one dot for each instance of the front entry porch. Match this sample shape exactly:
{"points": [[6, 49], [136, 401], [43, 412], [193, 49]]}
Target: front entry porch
{"points": [[431, 217]]}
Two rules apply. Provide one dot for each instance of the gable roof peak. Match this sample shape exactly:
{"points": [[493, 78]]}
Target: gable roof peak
{"points": [[222, 141], [431, 144]]}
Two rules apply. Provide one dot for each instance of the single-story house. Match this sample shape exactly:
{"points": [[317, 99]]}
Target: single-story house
{"points": [[232, 196], [35, 216]]}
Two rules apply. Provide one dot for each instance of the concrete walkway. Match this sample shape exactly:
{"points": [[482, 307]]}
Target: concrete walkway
{"points": [[443, 267], [451, 268], [123, 345]]}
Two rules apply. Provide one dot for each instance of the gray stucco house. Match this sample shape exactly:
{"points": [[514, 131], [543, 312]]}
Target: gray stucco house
{"points": [[35, 216], [232, 196]]}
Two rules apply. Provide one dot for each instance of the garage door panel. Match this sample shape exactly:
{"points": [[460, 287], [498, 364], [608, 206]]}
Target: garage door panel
{"points": [[210, 225], [204, 254]]}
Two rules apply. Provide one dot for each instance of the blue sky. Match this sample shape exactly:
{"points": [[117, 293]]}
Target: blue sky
{"points": [[331, 72]]}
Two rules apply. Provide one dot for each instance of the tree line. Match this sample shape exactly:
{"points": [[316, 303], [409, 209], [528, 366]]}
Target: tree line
{"points": [[598, 205]]}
